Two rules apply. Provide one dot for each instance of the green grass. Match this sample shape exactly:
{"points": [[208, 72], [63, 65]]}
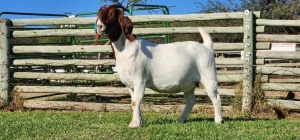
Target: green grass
{"points": [[109, 125]]}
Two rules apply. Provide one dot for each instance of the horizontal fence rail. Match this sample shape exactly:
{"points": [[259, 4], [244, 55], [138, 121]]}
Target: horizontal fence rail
{"points": [[107, 48], [137, 31], [110, 106], [218, 47], [272, 22], [281, 87], [141, 18], [82, 62], [100, 90], [277, 55], [277, 38], [278, 70], [49, 62], [102, 77]]}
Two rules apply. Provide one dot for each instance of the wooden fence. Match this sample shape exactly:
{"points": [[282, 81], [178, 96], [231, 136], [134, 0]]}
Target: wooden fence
{"points": [[34, 66]]}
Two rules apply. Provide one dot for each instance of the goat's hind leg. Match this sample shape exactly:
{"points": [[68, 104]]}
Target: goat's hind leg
{"points": [[212, 91], [189, 103]]}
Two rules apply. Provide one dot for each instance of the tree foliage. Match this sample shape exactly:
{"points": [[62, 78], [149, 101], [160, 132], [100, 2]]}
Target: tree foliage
{"points": [[272, 9], [216, 6], [125, 3]]}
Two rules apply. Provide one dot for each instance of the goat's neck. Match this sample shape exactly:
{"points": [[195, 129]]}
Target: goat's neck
{"points": [[119, 45]]}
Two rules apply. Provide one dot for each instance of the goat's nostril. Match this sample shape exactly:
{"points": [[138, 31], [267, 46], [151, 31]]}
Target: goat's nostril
{"points": [[101, 27]]}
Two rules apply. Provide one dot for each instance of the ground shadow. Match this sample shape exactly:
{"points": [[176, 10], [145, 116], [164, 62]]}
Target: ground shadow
{"points": [[226, 119], [163, 121]]}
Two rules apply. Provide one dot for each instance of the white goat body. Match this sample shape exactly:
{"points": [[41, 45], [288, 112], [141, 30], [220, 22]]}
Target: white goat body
{"points": [[168, 68]]}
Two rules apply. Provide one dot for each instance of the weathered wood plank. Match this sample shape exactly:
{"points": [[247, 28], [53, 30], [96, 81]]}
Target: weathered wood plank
{"points": [[227, 46], [283, 64], [42, 96], [190, 17], [223, 46], [278, 55], [66, 76], [138, 18], [99, 48], [284, 80], [4, 61], [63, 105], [281, 87], [263, 46], [179, 30], [228, 72], [235, 61], [137, 31], [82, 62], [237, 78], [248, 73], [274, 22], [107, 48], [101, 90], [62, 49], [50, 62], [277, 38], [285, 103], [278, 70], [54, 32], [100, 77], [53, 21]]}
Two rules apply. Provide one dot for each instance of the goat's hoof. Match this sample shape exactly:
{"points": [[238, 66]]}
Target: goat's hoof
{"points": [[134, 124], [219, 121], [180, 120]]}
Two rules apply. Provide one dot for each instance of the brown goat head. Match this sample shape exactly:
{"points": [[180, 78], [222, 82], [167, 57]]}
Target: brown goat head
{"points": [[112, 21]]}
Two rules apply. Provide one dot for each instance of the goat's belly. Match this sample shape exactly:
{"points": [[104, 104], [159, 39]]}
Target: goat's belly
{"points": [[174, 80], [172, 87]]}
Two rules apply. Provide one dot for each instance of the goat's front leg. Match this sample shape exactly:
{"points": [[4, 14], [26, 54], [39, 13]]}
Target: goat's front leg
{"points": [[136, 99]]}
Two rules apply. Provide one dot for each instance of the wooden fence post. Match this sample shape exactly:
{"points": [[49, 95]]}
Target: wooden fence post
{"points": [[248, 71], [4, 60]]}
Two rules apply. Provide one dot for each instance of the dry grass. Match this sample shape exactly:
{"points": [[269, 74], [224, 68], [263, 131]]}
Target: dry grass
{"points": [[260, 108]]}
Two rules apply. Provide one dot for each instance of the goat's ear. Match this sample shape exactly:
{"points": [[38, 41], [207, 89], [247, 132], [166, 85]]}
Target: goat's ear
{"points": [[127, 26]]}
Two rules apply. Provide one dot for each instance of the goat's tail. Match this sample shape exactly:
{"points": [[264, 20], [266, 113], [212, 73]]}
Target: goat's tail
{"points": [[207, 41]]}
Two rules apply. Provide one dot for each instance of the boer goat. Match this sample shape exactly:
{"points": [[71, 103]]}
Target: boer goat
{"points": [[166, 68]]}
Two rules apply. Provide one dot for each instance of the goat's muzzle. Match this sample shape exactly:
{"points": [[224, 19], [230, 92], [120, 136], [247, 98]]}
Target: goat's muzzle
{"points": [[100, 27]]}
